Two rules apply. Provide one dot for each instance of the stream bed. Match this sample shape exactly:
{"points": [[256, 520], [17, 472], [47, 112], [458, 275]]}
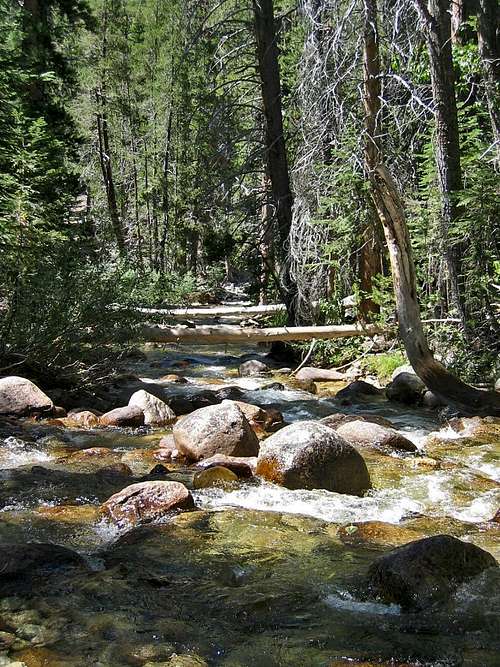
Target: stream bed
{"points": [[257, 575]]}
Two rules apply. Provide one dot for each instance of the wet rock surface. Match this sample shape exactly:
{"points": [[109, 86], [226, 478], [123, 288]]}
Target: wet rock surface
{"points": [[221, 429], [129, 415], [145, 502], [367, 434], [308, 455], [426, 571]]}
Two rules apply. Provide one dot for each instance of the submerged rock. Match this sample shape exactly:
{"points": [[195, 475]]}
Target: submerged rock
{"points": [[84, 419], [156, 412], [309, 455], [19, 396], [18, 559], [214, 476], [319, 374], [218, 429], [376, 532], [130, 415], [426, 571], [366, 434], [145, 502]]}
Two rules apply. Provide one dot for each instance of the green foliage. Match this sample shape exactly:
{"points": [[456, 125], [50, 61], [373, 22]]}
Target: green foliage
{"points": [[384, 364]]}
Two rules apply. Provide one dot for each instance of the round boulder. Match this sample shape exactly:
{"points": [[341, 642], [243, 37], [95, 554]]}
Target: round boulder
{"points": [[145, 502], [366, 434], [156, 412], [309, 455], [19, 396], [129, 415], [217, 429], [426, 571]]}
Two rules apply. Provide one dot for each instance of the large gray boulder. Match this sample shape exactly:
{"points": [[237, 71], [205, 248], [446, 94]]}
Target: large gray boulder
{"points": [[216, 429], [426, 571], [360, 433], [156, 412], [19, 396], [145, 502], [309, 455]]}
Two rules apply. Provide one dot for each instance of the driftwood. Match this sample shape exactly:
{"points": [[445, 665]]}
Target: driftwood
{"points": [[225, 333], [436, 377]]}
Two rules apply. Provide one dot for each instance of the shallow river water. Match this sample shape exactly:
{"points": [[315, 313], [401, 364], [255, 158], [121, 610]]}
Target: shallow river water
{"points": [[258, 575]]}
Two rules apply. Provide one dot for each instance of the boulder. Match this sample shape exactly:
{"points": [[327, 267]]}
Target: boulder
{"points": [[358, 390], [302, 385], [497, 385], [214, 476], [253, 367], [309, 455], [19, 396], [360, 433], [231, 393], [16, 559], [217, 429], [431, 400], [85, 419], [156, 412], [183, 405], [338, 418], [243, 466], [319, 374], [268, 419], [426, 571], [406, 388], [145, 502], [129, 415]]}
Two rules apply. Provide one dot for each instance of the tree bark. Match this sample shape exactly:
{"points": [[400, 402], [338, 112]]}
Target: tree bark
{"points": [[447, 386], [370, 255], [489, 49], [436, 20], [277, 163]]}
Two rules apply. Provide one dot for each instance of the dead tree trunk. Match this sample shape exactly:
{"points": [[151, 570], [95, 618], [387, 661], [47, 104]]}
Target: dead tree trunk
{"points": [[391, 214], [436, 19], [277, 163], [487, 27], [451, 389], [370, 255]]}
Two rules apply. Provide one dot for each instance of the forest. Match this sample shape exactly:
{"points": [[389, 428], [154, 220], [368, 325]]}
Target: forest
{"points": [[249, 333]]}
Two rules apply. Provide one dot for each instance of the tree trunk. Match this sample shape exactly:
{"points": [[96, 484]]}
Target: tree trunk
{"points": [[487, 27], [107, 174], [451, 389], [369, 261], [277, 163], [436, 19]]}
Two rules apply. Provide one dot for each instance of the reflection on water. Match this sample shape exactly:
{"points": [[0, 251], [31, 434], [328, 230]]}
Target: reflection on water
{"points": [[258, 575]]}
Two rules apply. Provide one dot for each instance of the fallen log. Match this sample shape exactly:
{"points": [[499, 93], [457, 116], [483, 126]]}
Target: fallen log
{"points": [[225, 333], [215, 311]]}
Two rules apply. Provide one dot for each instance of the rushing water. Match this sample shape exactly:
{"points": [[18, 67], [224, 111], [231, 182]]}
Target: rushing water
{"points": [[258, 575]]}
